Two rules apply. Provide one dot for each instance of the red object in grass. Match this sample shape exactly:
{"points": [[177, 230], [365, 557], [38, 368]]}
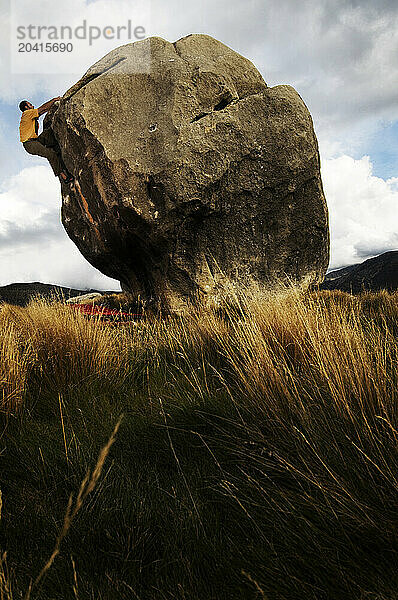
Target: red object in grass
{"points": [[104, 313]]}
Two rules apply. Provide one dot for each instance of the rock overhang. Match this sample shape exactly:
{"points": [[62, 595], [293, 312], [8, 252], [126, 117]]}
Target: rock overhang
{"points": [[191, 166]]}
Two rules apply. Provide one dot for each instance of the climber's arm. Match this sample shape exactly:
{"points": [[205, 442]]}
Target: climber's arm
{"points": [[47, 105]]}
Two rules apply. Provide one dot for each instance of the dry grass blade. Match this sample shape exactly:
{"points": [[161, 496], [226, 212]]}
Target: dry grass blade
{"points": [[87, 486], [5, 583], [256, 585]]}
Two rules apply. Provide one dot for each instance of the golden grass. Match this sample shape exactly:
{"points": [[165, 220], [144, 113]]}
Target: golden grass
{"points": [[62, 347], [296, 346], [15, 358], [298, 367], [290, 345]]}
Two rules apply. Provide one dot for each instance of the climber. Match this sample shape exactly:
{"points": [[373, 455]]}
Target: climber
{"points": [[44, 144]]}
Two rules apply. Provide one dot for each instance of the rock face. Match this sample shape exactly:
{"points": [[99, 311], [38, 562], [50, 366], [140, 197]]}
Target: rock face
{"points": [[379, 273], [190, 167]]}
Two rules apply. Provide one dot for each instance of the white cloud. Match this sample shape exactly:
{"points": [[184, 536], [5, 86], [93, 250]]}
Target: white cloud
{"points": [[363, 210], [33, 244], [341, 58], [26, 74]]}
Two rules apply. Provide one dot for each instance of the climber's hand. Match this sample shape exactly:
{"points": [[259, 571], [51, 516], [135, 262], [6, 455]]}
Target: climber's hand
{"points": [[47, 105]]}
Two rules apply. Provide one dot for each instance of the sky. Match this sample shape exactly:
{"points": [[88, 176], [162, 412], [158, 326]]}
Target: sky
{"points": [[340, 55]]}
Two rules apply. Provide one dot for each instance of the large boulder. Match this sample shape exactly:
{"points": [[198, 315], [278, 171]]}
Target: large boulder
{"points": [[189, 169]]}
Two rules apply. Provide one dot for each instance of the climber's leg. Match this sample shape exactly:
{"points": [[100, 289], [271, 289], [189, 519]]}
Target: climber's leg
{"points": [[47, 138], [36, 148]]}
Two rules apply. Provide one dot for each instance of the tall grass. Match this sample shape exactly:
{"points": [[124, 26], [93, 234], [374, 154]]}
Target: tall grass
{"points": [[257, 457], [56, 348], [15, 358]]}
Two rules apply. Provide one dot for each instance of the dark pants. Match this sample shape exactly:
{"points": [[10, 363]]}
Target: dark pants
{"points": [[45, 145]]}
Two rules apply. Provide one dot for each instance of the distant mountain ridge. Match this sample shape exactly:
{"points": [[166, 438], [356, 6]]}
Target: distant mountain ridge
{"points": [[20, 294], [373, 274], [380, 272]]}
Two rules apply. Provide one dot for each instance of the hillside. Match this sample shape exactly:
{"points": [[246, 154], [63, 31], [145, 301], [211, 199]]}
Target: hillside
{"points": [[20, 294], [374, 274]]}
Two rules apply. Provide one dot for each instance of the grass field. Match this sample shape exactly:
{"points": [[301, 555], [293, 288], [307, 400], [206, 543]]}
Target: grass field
{"points": [[256, 457]]}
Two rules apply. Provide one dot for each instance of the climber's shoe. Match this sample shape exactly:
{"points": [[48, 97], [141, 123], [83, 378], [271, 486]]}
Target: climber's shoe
{"points": [[66, 177]]}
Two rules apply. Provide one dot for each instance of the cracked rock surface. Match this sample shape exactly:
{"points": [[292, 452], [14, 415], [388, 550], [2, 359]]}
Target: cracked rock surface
{"points": [[189, 168]]}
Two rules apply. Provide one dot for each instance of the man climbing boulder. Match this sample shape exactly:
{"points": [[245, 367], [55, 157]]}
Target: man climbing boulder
{"points": [[44, 144]]}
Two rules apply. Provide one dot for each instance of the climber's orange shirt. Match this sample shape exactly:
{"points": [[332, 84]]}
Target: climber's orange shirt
{"points": [[27, 126]]}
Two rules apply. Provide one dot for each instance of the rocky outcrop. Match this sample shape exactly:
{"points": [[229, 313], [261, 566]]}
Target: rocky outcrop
{"points": [[85, 298], [190, 168], [379, 273]]}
